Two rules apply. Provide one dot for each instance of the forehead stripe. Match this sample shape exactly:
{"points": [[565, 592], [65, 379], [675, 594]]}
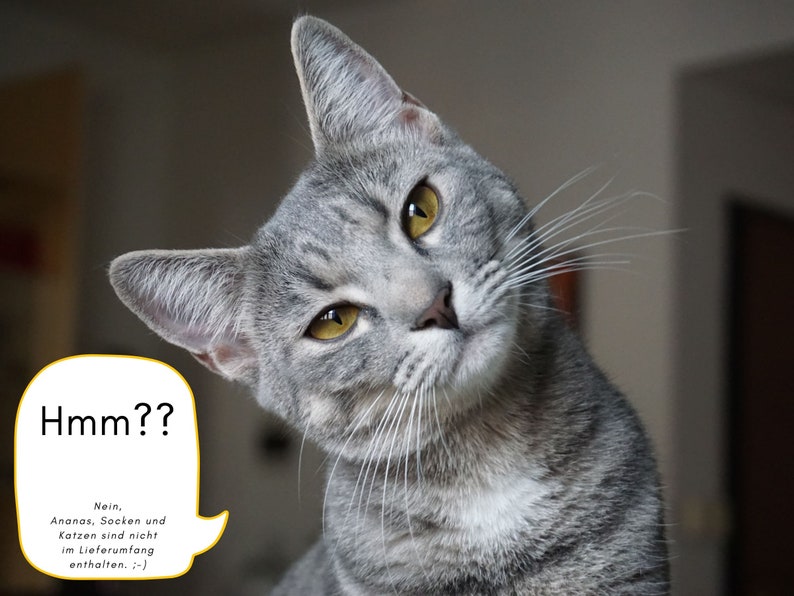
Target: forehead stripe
{"points": [[316, 250], [373, 204], [312, 280]]}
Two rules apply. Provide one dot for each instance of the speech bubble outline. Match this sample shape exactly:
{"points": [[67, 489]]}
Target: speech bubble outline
{"points": [[75, 427]]}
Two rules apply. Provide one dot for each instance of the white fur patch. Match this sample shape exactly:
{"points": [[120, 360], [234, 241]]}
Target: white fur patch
{"points": [[484, 355], [494, 514]]}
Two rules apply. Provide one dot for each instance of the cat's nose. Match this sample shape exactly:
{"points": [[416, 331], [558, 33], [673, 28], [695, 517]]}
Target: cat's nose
{"points": [[440, 312]]}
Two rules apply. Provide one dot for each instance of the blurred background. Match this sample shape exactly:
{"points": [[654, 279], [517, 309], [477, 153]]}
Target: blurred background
{"points": [[176, 124]]}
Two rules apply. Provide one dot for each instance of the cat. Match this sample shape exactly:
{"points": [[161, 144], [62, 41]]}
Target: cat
{"points": [[396, 310]]}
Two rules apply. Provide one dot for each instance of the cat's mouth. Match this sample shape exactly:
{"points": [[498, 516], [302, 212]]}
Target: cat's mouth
{"points": [[464, 360]]}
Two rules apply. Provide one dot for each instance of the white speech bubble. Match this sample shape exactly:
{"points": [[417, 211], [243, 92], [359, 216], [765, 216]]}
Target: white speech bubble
{"points": [[107, 470]]}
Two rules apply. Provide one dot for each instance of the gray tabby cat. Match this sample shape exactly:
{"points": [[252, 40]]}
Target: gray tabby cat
{"points": [[395, 309]]}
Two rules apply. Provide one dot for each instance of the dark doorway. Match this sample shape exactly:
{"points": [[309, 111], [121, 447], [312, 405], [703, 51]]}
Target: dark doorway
{"points": [[761, 381]]}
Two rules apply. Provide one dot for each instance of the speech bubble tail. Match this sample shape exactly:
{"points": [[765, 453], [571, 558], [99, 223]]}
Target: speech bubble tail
{"points": [[208, 531]]}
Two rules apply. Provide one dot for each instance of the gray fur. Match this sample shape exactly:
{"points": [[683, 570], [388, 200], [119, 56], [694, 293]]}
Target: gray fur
{"points": [[490, 459]]}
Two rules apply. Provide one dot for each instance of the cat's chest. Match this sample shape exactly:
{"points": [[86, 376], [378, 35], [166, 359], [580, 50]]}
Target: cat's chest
{"points": [[499, 511], [482, 527], [431, 532]]}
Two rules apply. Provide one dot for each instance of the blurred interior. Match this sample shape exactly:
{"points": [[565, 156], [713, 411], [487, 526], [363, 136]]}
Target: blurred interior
{"points": [[175, 124]]}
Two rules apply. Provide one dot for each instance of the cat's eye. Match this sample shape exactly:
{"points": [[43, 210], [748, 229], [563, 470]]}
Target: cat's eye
{"points": [[420, 211], [334, 322]]}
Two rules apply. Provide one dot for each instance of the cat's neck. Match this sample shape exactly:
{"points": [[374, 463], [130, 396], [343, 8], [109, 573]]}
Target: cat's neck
{"points": [[478, 490]]}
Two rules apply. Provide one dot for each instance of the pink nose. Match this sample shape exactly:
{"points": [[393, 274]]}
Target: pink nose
{"points": [[440, 312]]}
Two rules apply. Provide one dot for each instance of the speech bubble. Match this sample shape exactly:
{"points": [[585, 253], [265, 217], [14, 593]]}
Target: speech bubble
{"points": [[106, 471]]}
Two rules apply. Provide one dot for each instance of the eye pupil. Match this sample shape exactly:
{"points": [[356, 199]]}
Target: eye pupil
{"points": [[416, 211], [332, 315]]}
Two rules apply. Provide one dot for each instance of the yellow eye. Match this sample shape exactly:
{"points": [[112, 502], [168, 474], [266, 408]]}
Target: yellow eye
{"points": [[420, 211], [334, 322]]}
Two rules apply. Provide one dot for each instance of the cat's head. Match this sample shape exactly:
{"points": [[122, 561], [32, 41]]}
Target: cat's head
{"points": [[380, 283]]}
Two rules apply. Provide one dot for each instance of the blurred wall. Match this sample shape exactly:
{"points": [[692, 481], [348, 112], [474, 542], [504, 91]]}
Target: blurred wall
{"points": [[194, 147], [735, 144]]}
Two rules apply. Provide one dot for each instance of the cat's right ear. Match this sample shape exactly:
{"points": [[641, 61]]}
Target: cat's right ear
{"points": [[193, 299], [347, 93]]}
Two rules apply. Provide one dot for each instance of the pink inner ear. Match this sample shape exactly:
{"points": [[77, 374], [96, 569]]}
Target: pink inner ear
{"points": [[410, 116], [207, 360], [414, 114], [229, 360]]}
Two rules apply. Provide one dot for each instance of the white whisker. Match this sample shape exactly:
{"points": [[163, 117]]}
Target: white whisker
{"points": [[533, 277], [416, 398], [385, 482], [300, 460], [582, 212], [422, 396], [554, 265], [374, 456], [438, 424], [569, 220], [353, 427], [567, 184]]}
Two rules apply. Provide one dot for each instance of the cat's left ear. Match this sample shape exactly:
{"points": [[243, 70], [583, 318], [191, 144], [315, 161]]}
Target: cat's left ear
{"points": [[347, 93], [193, 299]]}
